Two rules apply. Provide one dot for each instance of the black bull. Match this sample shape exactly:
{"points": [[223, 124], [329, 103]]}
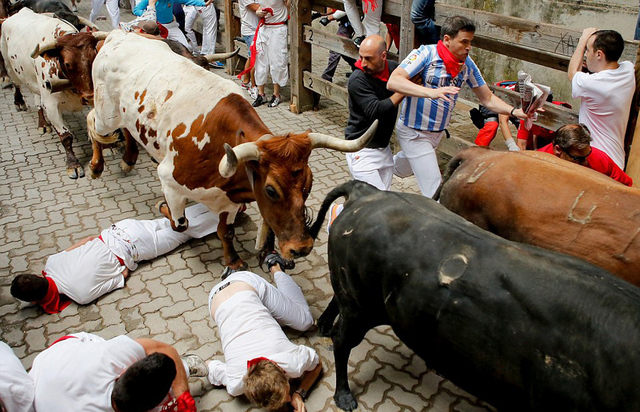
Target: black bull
{"points": [[517, 326]]}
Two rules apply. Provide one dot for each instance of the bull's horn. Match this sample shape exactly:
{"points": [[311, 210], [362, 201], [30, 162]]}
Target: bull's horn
{"points": [[57, 85], [87, 23], [100, 35], [241, 153], [221, 56], [43, 47], [331, 142]]}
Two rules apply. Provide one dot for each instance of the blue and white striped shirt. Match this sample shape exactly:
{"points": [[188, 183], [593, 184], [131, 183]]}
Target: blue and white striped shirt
{"points": [[422, 113]]}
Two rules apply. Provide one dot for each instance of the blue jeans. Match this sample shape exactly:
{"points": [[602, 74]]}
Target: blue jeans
{"points": [[637, 35], [422, 15], [249, 40]]}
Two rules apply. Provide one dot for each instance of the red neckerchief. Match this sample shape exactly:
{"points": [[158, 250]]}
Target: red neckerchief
{"points": [[52, 301], [255, 361], [451, 62], [369, 3], [383, 75]]}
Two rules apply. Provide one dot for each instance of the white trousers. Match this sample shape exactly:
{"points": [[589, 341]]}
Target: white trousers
{"points": [[112, 8], [273, 55], [418, 157], [137, 240], [371, 19], [175, 33], [374, 166], [209, 27]]}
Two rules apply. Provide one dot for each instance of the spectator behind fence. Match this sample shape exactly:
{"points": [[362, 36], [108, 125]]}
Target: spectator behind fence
{"points": [[572, 142], [605, 94], [425, 115]]}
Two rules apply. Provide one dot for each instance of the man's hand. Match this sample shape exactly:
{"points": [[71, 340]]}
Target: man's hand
{"points": [[260, 13], [297, 402], [442, 93], [208, 3], [586, 33]]}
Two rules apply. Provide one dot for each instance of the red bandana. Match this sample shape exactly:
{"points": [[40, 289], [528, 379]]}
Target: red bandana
{"points": [[451, 62], [383, 75], [52, 301], [366, 4], [255, 361]]}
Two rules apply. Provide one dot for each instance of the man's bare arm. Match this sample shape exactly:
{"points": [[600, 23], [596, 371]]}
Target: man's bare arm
{"points": [[306, 382], [575, 64], [180, 383], [399, 82]]}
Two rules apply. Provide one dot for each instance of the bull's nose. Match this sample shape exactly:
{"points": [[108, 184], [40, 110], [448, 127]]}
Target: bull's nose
{"points": [[300, 252]]}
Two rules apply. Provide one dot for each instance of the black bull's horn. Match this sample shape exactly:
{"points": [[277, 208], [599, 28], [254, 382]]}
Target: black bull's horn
{"points": [[249, 151]]}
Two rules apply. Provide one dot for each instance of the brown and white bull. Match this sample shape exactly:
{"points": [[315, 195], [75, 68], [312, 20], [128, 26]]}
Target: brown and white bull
{"points": [[536, 198], [186, 118], [53, 60]]}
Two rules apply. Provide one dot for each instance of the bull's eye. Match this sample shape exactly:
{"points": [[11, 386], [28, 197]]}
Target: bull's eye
{"points": [[272, 193]]}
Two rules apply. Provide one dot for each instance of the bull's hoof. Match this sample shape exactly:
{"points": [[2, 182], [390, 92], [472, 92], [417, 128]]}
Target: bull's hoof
{"points": [[95, 175], [345, 401], [71, 172], [45, 129], [22, 107], [229, 270], [5, 82], [125, 167]]}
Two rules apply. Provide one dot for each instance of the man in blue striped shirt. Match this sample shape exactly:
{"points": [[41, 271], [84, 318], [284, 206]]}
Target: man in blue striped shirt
{"points": [[427, 109]]}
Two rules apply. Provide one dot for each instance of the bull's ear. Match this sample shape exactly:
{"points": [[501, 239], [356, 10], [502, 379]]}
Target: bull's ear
{"points": [[240, 137]]}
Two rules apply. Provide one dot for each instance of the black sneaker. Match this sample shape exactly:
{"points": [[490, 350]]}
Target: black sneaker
{"points": [[276, 258], [275, 100], [260, 100], [358, 40]]}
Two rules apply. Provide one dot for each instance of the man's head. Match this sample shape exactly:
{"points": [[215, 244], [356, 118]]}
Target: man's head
{"points": [[373, 54], [603, 47], [148, 27], [267, 385], [457, 33], [144, 384], [29, 288], [572, 143]]}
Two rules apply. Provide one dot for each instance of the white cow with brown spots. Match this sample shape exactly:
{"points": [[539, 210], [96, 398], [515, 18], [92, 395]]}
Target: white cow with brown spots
{"points": [[53, 60], [189, 119]]}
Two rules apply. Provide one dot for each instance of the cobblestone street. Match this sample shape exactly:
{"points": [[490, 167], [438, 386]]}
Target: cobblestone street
{"points": [[42, 212]]}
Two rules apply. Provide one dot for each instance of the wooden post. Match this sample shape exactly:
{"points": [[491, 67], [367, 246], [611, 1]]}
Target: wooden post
{"points": [[232, 29], [407, 31], [633, 133], [300, 56]]}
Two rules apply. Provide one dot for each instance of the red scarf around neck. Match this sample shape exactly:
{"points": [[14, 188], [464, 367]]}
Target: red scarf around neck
{"points": [[52, 301], [383, 75], [451, 62]]}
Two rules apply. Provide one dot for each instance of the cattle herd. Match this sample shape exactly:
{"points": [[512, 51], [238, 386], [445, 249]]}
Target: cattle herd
{"points": [[520, 285]]}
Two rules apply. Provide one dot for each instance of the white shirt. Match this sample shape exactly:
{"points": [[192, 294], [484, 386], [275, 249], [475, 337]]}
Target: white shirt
{"points": [[421, 113], [78, 374], [86, 272], [280, 12], [248, 327], [605, 102], [248, 18], [16, 386]]}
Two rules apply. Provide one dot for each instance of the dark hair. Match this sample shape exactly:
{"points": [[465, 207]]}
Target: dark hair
{"points": [[572, 135], [144, 384], [455, 24], [30, 288], [611, 44]]}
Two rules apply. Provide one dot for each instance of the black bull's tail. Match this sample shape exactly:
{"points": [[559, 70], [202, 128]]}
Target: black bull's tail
{"points": [[350, 190]]}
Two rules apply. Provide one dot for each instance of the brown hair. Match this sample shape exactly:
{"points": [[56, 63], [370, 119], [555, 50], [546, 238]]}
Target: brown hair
{"points": [[266, 385]]}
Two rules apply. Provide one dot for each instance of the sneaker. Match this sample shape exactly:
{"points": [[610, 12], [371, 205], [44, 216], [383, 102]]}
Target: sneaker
{"points": [[358, 41], [275, 100], [334, 211], [74, 8], [217, 65], [196, 365], [253, 92], [246, 86], [260, 100], [274, 258]]}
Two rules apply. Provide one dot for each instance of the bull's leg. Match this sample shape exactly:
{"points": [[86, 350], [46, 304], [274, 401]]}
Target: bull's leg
{"points": [[130, 152], [74, 170], [97, 161], [226, 233], [325, 321], [349, 332], [43, 125], [18, 100]]}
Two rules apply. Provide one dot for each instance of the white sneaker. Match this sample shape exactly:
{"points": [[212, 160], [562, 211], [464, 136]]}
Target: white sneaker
{"points": [[74, 8], [253, 92], [197, 367], [275, 100]]}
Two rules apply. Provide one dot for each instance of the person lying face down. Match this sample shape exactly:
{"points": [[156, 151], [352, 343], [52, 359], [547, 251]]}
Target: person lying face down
{"points": [[260, 361], [96, 266]]}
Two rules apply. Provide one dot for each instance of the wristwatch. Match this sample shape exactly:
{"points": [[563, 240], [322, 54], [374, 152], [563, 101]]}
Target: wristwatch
{"points": [[303, 393]]}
